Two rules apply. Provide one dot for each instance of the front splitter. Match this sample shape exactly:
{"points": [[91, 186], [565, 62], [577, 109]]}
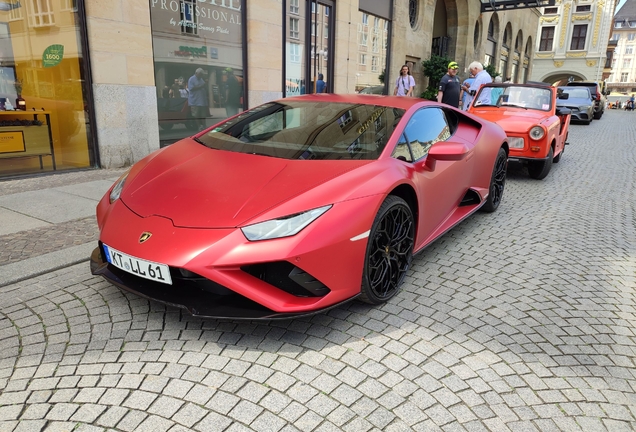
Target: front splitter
{"points": [[196, 301]]}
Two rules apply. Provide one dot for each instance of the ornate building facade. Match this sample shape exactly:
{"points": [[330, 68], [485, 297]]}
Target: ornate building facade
{"points": [[572, 40], [622, 78]]}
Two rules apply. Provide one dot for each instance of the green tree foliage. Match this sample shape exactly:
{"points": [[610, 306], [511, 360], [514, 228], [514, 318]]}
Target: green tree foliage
{"points": [[491, 71], [434, 69], [381, 76]]}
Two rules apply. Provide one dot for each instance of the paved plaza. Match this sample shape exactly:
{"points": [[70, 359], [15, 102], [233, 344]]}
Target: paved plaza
{"points": [[521, 320]]}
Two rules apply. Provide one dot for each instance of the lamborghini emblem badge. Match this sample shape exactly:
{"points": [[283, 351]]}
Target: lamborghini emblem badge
{"points": [[144, 236]]}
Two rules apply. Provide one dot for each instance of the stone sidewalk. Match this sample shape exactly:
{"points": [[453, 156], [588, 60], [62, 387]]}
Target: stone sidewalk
{"points": [[51, 218]]}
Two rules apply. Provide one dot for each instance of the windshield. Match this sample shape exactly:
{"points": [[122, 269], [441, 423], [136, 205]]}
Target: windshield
{"points": [[533, 98], [307, 130], [576, 92]]}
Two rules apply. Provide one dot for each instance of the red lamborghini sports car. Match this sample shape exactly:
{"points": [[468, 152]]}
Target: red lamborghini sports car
{"points": [[297, 205]]}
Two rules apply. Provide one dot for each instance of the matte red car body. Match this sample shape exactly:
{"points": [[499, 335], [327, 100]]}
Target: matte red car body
{"points": [[194, 200], [517, 122]]}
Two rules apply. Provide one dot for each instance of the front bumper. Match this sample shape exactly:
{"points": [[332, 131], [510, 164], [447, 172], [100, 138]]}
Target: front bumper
{"points": [[199, 296], [232, 274]]}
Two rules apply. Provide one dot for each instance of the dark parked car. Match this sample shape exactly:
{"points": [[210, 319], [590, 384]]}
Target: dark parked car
{"points": [[580, 103], [597, 94]]}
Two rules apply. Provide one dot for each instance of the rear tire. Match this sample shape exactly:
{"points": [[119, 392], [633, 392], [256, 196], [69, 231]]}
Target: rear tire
{"points": [[539, 170], [389, 251], [497, 182]]}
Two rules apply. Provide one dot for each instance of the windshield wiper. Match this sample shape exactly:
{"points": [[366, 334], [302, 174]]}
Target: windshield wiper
{"points": [[514, 105]]}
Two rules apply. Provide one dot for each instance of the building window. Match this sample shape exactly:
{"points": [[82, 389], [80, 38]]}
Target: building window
{"points": [[41, 13], [413, 13], [627, 63], [376, 23], [293, 6], [363, 40], [585, 8], [363, 59], [506, 38], [188, 17], [547, 37], [69, 5], [624, 76], [578, 37], [294, 52], [476, 35], [613, 63], [550, 10], [615, 37], [629, 50], [326, 30], [491, 30], [293, 28], [326, 11], [631, 36], [374, 44], [15, 14], [374, 64], [365, 19], [632, 24], [618, 25]]}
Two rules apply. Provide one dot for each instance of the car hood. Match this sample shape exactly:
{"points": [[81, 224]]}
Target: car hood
{"points": [[512, 120], [199, 187]]}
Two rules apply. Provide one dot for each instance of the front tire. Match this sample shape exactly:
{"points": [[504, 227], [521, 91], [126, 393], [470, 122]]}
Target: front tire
{"points": [[539, 170], [497, 182], [389, 251]]}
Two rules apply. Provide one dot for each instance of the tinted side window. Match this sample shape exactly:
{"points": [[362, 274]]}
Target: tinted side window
{"points": [[425, 128], [402, 151]]}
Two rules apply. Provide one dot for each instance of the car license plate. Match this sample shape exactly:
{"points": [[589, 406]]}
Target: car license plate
{"points": [[142, 268]]}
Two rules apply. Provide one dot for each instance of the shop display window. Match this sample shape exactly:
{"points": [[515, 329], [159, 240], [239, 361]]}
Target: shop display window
{"points": [[43, 105], [189, 35]]}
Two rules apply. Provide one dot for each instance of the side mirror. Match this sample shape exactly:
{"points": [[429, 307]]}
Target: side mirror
{"points": [[563, 111], [593, 97], [446, 151]]}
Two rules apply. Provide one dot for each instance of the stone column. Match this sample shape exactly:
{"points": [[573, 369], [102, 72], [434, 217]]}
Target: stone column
{"points": [[120, 49]]}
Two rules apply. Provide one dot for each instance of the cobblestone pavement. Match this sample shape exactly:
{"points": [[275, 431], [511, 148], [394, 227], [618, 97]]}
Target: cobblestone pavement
{"points": [[521, 320]]}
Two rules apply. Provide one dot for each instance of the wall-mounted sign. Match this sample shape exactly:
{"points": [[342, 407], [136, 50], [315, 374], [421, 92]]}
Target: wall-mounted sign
{"points": [[187, 51], [11, 142], [52, 56]]}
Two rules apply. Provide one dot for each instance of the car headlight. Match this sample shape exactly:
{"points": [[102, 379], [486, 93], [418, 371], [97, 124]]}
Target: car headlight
{"points": [[517, 143], [537, 132], [283, 227], [115, 192], [585, 107]]}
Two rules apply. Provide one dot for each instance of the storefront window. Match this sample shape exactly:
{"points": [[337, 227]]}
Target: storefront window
{"points": [[43, 105], [198, 56]]}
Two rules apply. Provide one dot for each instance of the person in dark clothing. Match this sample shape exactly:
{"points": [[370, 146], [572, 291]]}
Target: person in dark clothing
{"points": [[233, 92], [321, 85], [450, 86]]}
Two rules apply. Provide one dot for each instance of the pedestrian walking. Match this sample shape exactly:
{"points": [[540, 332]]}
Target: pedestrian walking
{"points": [[405, 83], [450, 87]]}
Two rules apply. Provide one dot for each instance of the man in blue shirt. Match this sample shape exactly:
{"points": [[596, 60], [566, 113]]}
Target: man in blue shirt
{"points": [[198, 98], [320, 84], [481, 77]]}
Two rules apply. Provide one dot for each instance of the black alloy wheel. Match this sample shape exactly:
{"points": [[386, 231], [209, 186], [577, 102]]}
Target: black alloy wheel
{"points": [[497, 182], [389, 251]]}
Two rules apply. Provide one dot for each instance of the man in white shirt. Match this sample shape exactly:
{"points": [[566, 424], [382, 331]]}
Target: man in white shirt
{"points": [[481, 77]]}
